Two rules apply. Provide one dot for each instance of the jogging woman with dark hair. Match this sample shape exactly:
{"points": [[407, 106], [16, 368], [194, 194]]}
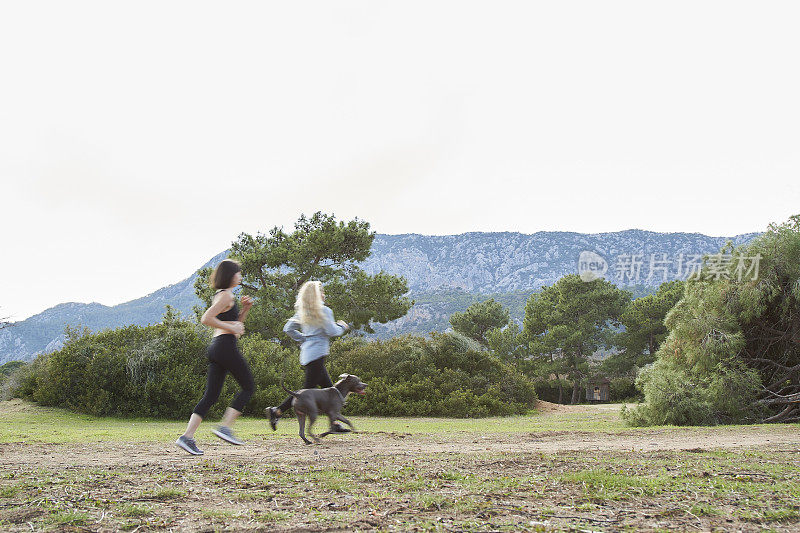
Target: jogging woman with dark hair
{"points": [[223, 356]]}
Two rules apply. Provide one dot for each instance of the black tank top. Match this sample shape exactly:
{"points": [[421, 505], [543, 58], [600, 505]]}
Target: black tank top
{"points": [[231, 314]]}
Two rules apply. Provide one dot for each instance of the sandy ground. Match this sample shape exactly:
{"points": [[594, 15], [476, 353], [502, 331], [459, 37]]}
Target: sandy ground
{"points": [[222, 489], [382, 443]]}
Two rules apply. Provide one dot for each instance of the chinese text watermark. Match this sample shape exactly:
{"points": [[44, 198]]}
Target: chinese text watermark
{"points": [[634, 268]]}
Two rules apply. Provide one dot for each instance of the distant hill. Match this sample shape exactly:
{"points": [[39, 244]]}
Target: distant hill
{"points": [[44, 332], [445, 274]]}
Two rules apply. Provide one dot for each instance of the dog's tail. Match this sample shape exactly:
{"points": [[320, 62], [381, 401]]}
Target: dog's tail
{"points": [[287, 390]]}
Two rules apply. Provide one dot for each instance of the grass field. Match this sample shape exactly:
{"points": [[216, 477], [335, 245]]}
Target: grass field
{"points": [[563, 468]]}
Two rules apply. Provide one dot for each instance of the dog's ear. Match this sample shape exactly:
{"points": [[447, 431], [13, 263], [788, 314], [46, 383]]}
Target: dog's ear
{"points": [[343, 376]]}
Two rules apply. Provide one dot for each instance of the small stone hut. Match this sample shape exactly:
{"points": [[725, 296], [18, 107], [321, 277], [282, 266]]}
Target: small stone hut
{"points": [[597, 389]]}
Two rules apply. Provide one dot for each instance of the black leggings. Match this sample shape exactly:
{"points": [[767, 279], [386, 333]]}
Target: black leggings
{"points": [[315, 375], [223, 357]]}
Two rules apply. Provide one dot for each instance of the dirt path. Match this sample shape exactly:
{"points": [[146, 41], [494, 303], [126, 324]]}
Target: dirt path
{"points": [[380, 444], [634, 479]]}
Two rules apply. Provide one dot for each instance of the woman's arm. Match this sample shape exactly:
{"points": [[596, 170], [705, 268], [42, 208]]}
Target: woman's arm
{"points": [[222, 301], [292, 328], [247, 303], [333, 329]]}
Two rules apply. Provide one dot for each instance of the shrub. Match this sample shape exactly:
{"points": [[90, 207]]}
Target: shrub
{"points": [[444, 375], [623, 389], [160, 371], [731, 354], [9, 376], [678, 396], [156, 370]]}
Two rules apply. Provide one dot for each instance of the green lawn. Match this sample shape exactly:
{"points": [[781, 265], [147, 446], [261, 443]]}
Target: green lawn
{"points": [[400, 477], [21, 422]]}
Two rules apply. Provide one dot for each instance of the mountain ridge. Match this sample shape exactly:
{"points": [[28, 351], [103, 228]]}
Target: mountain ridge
{"points": [[444, 272]]}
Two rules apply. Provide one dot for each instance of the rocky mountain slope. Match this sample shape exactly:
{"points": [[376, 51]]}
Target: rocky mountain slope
{"points": [[445, 274]]}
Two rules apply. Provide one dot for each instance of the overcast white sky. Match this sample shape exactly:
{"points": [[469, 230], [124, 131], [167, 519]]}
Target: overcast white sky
{"points": [[137, 140]]}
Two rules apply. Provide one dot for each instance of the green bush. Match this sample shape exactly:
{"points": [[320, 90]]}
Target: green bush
{"points": [[8, 368], [9, 375], [731, 353], [160, 371], [153, 371], [623, 389], [678, 396], [444, 375], [156, 370], [270, 364]]}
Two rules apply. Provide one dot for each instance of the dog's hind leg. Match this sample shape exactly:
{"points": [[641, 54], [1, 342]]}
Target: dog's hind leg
{"points": [[301, 419], [312, 417]]}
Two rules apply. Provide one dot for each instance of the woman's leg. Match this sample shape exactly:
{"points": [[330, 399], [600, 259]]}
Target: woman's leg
{"points": [[215, 377], [240, 370], [194, 423], [214, 380], [287, 403], [316, 375], [282, 408]]}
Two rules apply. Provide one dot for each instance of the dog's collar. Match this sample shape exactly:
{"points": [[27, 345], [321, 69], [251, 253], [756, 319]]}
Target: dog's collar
{"points": [[340, 394]]}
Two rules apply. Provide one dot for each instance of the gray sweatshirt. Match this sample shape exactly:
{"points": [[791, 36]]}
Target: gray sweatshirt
{"points": [[314, 340]]}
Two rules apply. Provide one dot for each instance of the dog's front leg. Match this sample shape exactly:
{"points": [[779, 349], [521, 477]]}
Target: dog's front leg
{"points": [[346, 421], [331, 418]]}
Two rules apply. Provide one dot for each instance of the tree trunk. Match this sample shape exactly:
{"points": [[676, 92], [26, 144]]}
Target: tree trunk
{"points": [[576, 376], [576, 391], [783, 415]]}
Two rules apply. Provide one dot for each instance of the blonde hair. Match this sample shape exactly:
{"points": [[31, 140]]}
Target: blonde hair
{"points": [[308, 305]]}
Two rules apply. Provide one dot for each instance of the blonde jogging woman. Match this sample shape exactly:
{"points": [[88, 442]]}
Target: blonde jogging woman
{"points": [[312, 326]]}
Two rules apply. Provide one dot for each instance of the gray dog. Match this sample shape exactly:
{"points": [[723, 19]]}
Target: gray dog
{"points": [[310, 402]]}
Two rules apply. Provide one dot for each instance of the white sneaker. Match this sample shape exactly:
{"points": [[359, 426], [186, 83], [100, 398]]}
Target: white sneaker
{"points": [[189, 445], [227, 435]]}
